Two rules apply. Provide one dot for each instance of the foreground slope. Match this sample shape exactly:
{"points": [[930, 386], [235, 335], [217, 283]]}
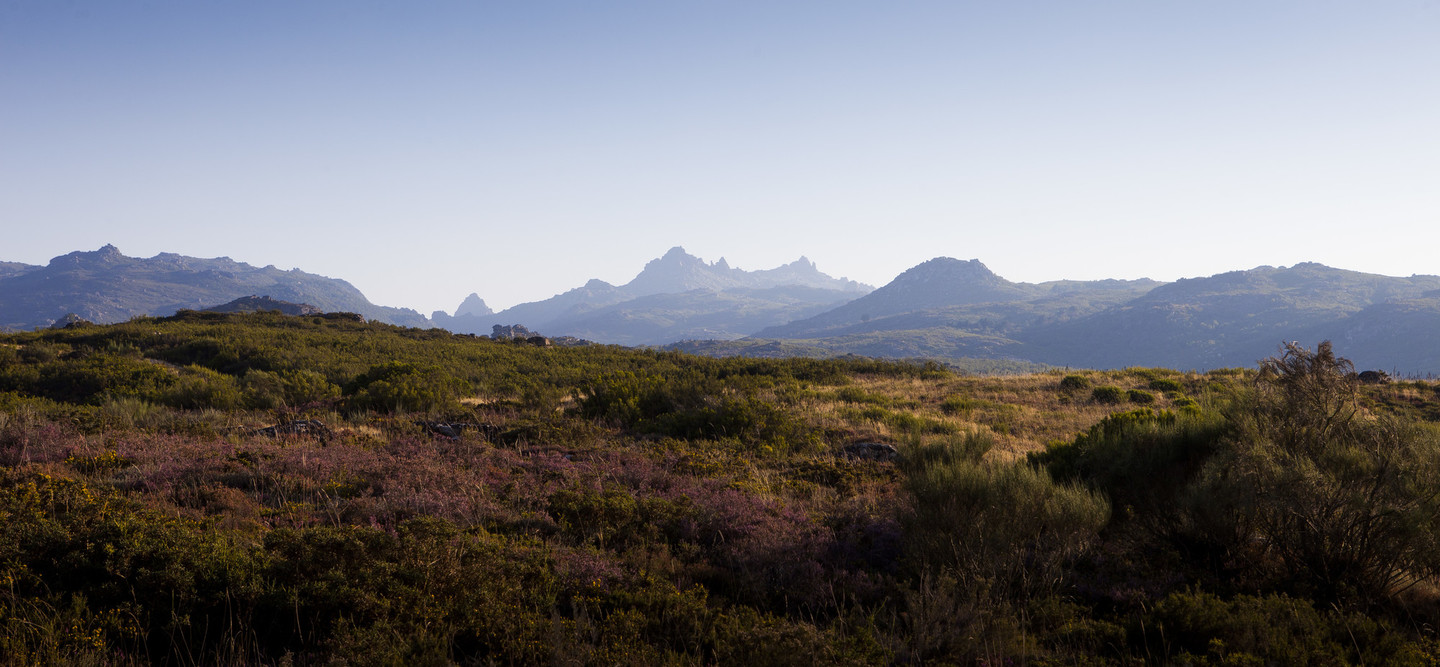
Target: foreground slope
{"points": [[215, 488]]}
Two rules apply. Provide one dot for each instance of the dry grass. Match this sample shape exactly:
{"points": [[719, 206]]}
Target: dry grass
{"points": [[1024, 412]]}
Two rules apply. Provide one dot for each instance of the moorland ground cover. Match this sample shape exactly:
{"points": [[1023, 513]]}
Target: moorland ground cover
{"points": [[455, 499]]}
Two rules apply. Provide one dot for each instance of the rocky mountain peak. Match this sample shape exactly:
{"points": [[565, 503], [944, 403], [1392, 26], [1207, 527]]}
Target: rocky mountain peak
{"points": [[107, 255], [473, 306], [948, 270]]}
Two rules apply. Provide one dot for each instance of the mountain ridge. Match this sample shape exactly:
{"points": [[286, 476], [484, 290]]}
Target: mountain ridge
{"points": [[106, 286], [676, 294]]}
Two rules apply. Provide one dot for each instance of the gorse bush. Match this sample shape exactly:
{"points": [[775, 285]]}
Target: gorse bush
{"points": [[1074, 383], [986, 540], [1165, 384], [1001, 530], [404, 387], [1349, 506], [1140, 397], [1107, 394]]}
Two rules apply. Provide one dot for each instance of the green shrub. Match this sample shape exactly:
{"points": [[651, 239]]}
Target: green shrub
{"points": [[955, 405], [403, 387], [1349, 506], [1073, 383], [1003, 531], [1141, 459], [199, 387], [1140, 396], [1107, 394], [1185, 403], [1202, 628], [1165, 384]]}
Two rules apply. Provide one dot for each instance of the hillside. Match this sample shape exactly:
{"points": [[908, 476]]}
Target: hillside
{"points": [[218, 488], [260, 304], [8, 269], [106, 286]]}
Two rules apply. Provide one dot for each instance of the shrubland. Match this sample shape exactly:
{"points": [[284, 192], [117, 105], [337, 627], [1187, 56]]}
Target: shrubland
{"points": [[601, 505]]}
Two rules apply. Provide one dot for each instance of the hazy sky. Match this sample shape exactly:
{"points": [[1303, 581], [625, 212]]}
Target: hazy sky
{"points": [[425, 150]]}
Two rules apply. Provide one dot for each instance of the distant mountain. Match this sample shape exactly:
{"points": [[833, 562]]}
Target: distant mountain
{"points": [[674, 297], [679, 271], [938, 283], [1396, 335], [106, 286], [982, 312], [727, 314], [1237, 318], [8, 269], [469, 317], [260, 304], [948, 309]]}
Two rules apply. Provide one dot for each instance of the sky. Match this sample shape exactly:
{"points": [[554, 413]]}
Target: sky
{"points": [[426, 150]]}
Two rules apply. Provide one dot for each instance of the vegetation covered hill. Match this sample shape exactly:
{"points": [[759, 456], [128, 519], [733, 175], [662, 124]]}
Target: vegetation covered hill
{"points": [[218, 488], [106, 286], [260, 304]]}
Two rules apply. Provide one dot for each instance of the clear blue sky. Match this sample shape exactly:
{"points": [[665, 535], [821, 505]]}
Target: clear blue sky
{"points": [[425, 150]]}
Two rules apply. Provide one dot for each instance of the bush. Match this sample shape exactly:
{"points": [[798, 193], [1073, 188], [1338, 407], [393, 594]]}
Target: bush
{"points": [[1165, 384], [1003, 531], [1140, 396], [404, 387], [1107, 394], [1142, 460], [1344, 499], [200, 387], [1072, 383]]}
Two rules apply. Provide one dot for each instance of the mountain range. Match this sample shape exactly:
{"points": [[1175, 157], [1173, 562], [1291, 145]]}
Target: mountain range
{"points": [[675, 297], [949, 309], [944, 308], [105, 286]]}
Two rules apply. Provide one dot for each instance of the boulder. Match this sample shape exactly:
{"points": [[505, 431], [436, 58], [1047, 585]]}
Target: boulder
{"points": [[1374, 377], [306, 427], [871, 451]]}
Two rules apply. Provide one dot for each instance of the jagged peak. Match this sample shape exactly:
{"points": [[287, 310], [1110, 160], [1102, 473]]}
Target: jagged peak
{"points": [[677, 252], [473, 305], [107, 253]]}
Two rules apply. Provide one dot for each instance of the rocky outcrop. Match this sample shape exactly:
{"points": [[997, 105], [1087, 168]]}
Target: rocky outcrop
{"points": [[871, 451], [502, 332], [299, 427]]}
